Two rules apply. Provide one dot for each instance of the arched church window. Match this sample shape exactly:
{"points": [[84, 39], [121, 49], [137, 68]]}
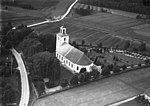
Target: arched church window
{"points": [[64, 39], [77, 68]]}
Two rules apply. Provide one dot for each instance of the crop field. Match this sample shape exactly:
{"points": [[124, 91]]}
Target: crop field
{"points": [[112, 19], [109, 29], [6, 14], [79, 32], [18, 19], [124, 26], [39, 4]]}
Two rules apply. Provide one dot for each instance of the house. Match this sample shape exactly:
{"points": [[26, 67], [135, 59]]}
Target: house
{"points": [[70, 56]]}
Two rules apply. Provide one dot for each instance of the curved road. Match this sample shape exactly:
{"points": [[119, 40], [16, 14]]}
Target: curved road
{"points": [[25, 92], [59, 18]]}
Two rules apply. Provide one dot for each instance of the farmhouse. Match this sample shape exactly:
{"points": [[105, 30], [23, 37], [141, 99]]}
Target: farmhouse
{"points": [[69, 55]]}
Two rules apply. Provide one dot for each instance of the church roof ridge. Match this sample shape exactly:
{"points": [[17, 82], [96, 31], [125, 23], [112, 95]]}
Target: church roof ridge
{"points": [[73, 54]]}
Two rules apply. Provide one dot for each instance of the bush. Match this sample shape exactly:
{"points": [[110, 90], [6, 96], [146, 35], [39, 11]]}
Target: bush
{"points": [[124, 67], [116, 69], [139, 64], [83, 12], [110, 66], [147, 61], [81, 78], [95, 74], [74, 80], [64, 83], [105, 71], [87, 76], [40, 86]]}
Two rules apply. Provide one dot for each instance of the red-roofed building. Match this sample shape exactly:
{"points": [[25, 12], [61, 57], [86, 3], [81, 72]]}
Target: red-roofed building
{"points": [[72, 57]]}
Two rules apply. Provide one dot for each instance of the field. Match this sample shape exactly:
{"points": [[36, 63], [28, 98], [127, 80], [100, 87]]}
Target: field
{"points": [[61, 7], [39, 4], [44, 9], [97, 32], [103, 92], [116, 24], [19, 16]]}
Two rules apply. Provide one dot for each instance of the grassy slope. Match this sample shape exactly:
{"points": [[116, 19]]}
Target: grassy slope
{"points": [[39, 4], [61, 7]]}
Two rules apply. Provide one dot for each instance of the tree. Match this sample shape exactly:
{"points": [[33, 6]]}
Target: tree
{"points": [[116, 69], [48, 41], [97, 61], [83, 42], [124, 67], [40, 86], [74, 80], [56, 69], [142, 47], [83, 12], [8, 45], [81, 77], [135, 50], [36, 78], [63, 82], [105, 71], [87, 76], [45, 64], [10, 95], [127, 44], [147, 61], [6, 28], [30, 46], [16, 36], [75, 44], [100, 45], [110, 66], [95, 74]]}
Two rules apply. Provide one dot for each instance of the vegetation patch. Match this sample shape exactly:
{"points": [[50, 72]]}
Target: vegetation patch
{"points": [[135, 6]]}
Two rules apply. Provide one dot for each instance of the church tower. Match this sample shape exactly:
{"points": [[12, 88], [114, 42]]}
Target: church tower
{"points": [[61, 37]]}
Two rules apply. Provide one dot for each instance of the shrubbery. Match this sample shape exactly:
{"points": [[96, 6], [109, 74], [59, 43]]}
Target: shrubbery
{"points": [[116, 69], [125, 5], [83, 12], [64, 83], [105, 71], [95, 74], [74, 80]]}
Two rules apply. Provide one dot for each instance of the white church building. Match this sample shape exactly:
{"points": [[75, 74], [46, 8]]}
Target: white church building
{"points": [[70, 56]]}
